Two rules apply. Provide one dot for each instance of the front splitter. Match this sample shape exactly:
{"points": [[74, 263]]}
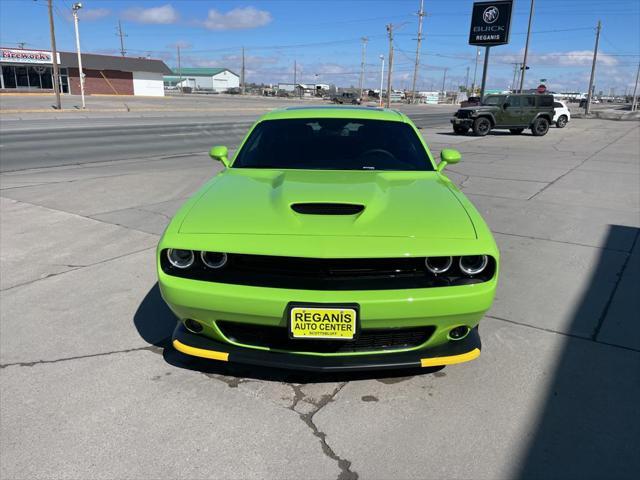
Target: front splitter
{"points": [[451, 353]]}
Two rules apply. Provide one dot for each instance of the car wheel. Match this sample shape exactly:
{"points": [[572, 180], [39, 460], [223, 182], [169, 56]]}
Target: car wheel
{"points": [[516, 131], [460, 130], [540, 127], [562, 121], [481, 126]]}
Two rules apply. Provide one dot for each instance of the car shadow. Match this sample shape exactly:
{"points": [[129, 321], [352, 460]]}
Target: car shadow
{"points": [[494, 133], [587, 425], [155, 323]]}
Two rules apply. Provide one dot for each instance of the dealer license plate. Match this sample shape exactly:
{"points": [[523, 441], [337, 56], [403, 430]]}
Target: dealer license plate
{"points": [[336, 323]]}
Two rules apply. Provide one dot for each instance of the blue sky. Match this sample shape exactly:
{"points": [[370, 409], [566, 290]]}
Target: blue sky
{"points": [[323, 37]]}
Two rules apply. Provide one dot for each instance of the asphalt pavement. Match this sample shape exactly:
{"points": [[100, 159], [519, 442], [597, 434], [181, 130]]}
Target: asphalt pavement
{"points": [[91, 388], [40, 143]]}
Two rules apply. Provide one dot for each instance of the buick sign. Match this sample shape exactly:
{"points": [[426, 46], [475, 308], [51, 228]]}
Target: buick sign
{"points": [[490, 22]]}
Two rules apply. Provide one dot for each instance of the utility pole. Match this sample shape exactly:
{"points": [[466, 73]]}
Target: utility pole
{"points": [[484, 72], [121, 34], [475, 71], [179, 70], [54, 54], [362, 64], [75, 8], [526, 47], [242, 73], [634, 102], [21, 45], [381, 77], [444, 78], [415, 68], [593, 69], [466, 83], [515, 72], [295, 73], [390, 67]]}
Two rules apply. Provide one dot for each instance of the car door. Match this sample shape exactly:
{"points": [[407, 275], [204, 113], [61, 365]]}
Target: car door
{"points": [[513, 112], [528, 111]]}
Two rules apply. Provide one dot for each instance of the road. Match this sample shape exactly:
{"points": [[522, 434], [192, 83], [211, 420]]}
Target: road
{"points": [[76, 141], [90, 386]]}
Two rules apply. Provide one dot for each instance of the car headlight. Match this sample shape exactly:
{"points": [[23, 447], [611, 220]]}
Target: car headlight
{"points": [[474, 113], [181, 259], [473, 264], [214, 259], [438, 265]]}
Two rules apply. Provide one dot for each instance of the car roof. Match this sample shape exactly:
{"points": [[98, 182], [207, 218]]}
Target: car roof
{"points": [[355, 112]]}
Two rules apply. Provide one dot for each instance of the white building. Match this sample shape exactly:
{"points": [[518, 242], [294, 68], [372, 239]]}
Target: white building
{"points": [[212, 79]]}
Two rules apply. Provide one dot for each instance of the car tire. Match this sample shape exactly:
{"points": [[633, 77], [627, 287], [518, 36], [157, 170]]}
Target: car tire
{"points": [[540, 127], [562, 121], [481, 126], [516, 131], [460, 130]]}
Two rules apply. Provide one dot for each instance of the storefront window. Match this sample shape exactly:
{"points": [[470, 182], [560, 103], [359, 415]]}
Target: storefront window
{"points": [[22, 79], [8, 76], [33, 77], [47, 78]]}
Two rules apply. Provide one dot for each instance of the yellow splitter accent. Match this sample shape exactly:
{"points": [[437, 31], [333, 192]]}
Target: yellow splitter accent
{"points": [[327, 323], [200, 352], [450, 360]]}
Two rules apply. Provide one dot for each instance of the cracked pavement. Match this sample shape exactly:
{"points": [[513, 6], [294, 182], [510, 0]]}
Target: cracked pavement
{"points": [[91, 388]]}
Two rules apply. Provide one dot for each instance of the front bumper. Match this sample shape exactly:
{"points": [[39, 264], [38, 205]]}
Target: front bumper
{"points": [[450, 353], [462, 122]]}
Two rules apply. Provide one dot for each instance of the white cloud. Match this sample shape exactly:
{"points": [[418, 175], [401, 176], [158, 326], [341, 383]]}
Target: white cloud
{"points": [[237, 19], [561, 59], [165, 14], [92, 14]]}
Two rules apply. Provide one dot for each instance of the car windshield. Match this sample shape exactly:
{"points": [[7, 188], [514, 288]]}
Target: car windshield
{"points": [[494, 100], [333, 144]]}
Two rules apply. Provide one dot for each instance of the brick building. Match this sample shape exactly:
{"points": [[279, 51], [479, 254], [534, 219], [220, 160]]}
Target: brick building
{"points": [[32, 70]]}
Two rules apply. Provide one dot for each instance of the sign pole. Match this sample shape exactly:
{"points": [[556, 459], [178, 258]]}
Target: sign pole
{"points": [[526, 48], [490, 25], [484, 72]]}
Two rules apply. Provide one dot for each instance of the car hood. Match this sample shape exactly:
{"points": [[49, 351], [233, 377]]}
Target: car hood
{"points": [[396, 204]]}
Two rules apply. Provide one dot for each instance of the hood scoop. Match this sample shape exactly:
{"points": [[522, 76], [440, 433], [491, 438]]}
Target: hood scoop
{"points": [[327, 208]]}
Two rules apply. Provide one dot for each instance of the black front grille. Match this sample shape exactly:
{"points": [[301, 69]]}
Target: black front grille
{"points": [[463, 114], [368, 340], [302, 273], [327, 208]]}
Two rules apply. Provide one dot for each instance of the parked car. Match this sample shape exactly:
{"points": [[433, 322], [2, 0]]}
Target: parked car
{"points": [[346, 97], [470, 102], [583, 102], [562, 115], [331, 241], [234, 90], [514, 112]]}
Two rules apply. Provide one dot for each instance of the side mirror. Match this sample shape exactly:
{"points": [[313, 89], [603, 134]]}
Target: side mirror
{"points": [[220, 153], [448, 156], [505, 105]]}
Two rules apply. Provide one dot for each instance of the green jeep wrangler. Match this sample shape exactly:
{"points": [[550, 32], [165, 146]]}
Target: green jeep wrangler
{"points": [[509, 111]]}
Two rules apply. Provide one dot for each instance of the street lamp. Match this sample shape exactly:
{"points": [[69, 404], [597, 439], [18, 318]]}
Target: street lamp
{"points": [[381, 76], [75, 8]]}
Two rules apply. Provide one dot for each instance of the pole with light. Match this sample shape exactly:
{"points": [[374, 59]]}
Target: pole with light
{"points": [[381, 76], [75, 8]]}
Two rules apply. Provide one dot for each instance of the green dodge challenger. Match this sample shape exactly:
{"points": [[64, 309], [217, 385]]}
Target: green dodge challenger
{"points": [[331, 241]]}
